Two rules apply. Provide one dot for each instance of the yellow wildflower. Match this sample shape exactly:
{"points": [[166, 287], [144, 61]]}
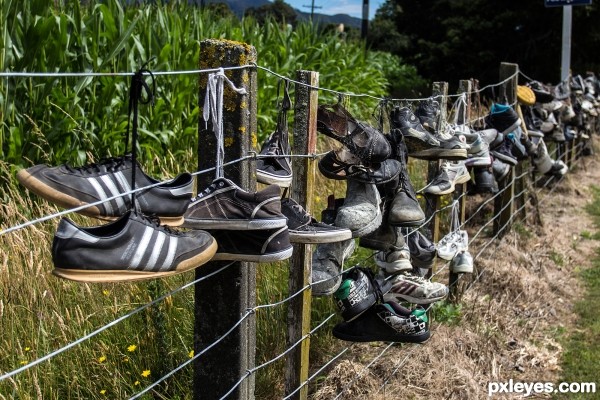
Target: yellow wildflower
{"points": [[106, 292], [125, 359], [191, 354], [101, 359], [27, 348], [103, 391], [136, 383], [146, 373], [24, 362], [131, 348]]}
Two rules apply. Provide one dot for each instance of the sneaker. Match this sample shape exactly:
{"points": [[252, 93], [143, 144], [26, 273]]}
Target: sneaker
{"points": [[517, 149], [452, 243], [504, 152], [133, 247], [420, 143], [542, 161], [451, 174], [277, 168], [404, 209], [360, 212], [303, 228], [394, 260], [503, 118], [358, 292], [387, 322], [422, 250], [361, 139], [262, 246], [500, 170], [492, 137], [71, 187], [224, 205], [327, 263], [479, 156], [385, 237], [415, 289], [549, 124], [428, 113], [559, 168], [462, 263]]}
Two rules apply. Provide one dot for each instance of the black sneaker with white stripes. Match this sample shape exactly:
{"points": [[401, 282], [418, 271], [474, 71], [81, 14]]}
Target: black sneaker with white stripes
{"points": [[70, 187], [132, 248]]}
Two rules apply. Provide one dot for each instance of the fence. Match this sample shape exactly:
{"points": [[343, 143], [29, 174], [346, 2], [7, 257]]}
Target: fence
{"points": [[225, 331]]}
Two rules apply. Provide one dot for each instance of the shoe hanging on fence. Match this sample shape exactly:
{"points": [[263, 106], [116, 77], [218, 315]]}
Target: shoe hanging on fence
{"points": [[131, 248], [276, 166], [327, 264], [412, 288], [456, 240], [359, 291], [332, 167]]}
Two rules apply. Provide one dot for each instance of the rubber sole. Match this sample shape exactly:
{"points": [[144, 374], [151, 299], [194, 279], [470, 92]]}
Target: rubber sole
{"points": [[65, 201], [414, 300], [125, 275], [439, 153], [269, 179], [261, 258], [233, 224], [505, 158], [319, 237]]}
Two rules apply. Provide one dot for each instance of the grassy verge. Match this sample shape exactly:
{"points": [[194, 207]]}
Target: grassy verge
{"points": [[581, 359]]}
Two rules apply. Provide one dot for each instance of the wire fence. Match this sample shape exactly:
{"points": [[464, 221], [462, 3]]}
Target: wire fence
{"points": [[543, 187]]}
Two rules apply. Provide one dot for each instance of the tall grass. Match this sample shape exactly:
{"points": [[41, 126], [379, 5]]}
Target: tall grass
{"points": [[76, 120]]}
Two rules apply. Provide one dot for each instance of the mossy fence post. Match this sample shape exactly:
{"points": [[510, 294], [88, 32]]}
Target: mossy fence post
{"points": [[503, 204], [221, 300], [463, 117], [304, 142], [432, 202]]}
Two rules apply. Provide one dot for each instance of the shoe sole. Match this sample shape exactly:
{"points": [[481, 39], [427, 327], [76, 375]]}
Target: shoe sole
{"points": [[319, 237], [437, 154], [65, 201], [230, 224], [394, 267], [462, 179], [478, 162], [261, 258], [421, 338], [462, 269], [269, 179], [124, 275]]}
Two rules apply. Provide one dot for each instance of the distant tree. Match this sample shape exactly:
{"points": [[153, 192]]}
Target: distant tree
{"points": [[220, 10], [279, 10], [451, 40]]}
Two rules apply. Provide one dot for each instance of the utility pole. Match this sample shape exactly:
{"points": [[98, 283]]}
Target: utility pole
{"points": [[565, 64], [312, 9], [365, 20]]}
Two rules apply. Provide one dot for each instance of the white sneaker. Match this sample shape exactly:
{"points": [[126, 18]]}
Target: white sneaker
{"points": [[451, 174], [452, 243], [394, 261], [415, 289], [462, 263]]}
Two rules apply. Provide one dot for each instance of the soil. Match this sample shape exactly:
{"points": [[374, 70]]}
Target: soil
{"points": [[512, 318]]}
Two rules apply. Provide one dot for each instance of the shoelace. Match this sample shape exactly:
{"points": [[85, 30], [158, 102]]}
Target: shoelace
{"points": [[111, 164]]}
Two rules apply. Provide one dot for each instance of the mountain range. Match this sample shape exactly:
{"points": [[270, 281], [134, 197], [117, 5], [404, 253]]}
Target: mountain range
{"points": [[239, 6]]}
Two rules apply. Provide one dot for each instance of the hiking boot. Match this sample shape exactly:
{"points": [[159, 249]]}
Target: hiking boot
{"points": [[500, 170], [303, 228], [462, 263], [361, 139], [263, 246], [428, 113], [415, 289], [385, 237], [452, 243], [276, 169], [71, 187], [451, 174], [360, 212], [387, 322], [483, 181], [133, 247], [503, 118], [420, 143], [333, 168], [358, 292], [404, 209], [224, 205], [422, 250], [327, 263]]}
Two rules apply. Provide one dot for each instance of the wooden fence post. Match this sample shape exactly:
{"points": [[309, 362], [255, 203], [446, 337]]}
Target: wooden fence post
{"points": [[503, 204], [464, 116], [305, 142], [221, 300], [432, 202]]}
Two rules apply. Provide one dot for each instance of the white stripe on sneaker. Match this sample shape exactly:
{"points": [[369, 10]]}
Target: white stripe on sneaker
{"points": [[114, 191], [101, 194], [157, 248], [141, 248], [124, 185], [170, 254]]}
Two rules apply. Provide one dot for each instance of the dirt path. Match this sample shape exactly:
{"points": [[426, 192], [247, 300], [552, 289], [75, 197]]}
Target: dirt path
{"points": [[511, 318]]}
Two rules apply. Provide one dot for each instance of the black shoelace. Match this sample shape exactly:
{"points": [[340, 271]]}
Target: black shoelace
{"points": [[137, 89], [110, 163]]}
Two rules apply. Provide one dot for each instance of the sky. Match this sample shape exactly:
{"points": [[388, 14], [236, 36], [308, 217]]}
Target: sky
{"points": [[330, 7]]}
